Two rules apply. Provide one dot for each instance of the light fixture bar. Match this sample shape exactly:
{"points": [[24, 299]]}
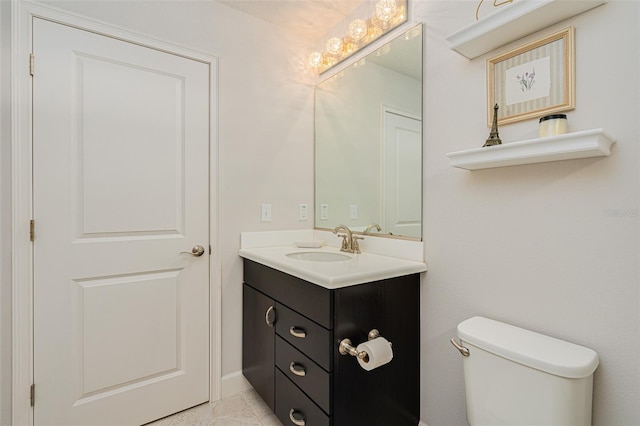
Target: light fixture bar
{"points": [[368, 23]]}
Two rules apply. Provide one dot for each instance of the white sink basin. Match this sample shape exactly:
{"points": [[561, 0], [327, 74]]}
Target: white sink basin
{"points": [[318, 256]]}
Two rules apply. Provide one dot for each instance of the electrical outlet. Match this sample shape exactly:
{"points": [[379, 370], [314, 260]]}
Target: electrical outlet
{"points": [[324, 211], [266, 213], [303, 212], [353, 211]]}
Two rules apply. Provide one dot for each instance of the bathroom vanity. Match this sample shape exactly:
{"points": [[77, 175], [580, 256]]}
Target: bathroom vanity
{"points": [[292, 330]]}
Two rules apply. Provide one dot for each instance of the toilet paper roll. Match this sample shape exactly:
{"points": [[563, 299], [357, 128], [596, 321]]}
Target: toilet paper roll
{"points": [[378, 351]]}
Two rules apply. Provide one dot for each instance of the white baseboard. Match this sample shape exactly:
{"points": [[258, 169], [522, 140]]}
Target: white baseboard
{"points": [[422, 423], [234, 383]]}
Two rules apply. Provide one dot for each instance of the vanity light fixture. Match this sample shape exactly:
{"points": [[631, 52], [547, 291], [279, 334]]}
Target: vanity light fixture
{"points": [[357, 30], [370, 21], [385, 11], [315, 60], [334, 46]]}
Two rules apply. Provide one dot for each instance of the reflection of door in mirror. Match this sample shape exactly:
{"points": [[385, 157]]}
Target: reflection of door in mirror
{"points": [[368, 167], [401, 201]]}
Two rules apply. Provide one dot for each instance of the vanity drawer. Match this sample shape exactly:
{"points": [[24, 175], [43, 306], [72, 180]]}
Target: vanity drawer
{"points": [[289, 397], [310, 300], [306, 374], [307, 336]]}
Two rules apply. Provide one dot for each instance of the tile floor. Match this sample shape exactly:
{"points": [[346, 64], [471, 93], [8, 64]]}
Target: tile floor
{"points": [[243, 409]]}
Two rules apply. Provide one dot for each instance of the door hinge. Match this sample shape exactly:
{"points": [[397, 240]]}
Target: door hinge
{"points": [[31, 64], [32, 230], [32, 395], [209, 250]]}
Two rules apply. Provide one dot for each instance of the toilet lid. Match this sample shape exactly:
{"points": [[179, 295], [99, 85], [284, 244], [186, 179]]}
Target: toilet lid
{"points": [[526, 347]]}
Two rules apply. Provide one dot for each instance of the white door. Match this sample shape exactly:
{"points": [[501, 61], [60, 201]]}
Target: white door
{"points": [[121, 187], [402, 175]]}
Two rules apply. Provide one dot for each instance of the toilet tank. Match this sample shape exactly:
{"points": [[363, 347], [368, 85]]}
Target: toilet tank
{"points": [[514, 376]]}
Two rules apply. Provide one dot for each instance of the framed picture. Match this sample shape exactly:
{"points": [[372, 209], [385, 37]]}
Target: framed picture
{"points": [[533, 80]]}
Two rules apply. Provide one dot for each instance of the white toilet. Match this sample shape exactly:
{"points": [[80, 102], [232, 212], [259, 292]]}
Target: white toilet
{"points": [[517, 377]]}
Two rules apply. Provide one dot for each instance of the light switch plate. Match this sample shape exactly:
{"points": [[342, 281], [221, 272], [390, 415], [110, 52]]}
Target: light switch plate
{"points": [[324, 211], [303, 212], [266, 213], [353, 211]]}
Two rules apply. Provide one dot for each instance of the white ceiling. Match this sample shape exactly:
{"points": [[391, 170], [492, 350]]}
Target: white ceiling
{"points": [[309, 19]]}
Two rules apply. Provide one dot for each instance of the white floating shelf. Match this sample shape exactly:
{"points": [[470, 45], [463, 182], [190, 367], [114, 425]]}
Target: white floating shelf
{"points": [[570, 146], [514, 21]]}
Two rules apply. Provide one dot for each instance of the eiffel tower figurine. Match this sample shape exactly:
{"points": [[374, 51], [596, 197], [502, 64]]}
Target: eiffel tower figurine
{"points": [[494, 138]]}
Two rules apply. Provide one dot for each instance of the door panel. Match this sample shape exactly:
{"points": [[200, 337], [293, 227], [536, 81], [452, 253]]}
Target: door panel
{"points": [[105, 142], [121, 187], [138, 347]]}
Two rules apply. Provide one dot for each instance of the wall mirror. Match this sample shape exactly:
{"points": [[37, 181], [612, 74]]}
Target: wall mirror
{"points": [[368, 142]]}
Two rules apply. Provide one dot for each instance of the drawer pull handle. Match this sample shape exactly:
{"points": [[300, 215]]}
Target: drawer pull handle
{"points": [[297, 332], [270, 316], [294, 420], [297, 369]]}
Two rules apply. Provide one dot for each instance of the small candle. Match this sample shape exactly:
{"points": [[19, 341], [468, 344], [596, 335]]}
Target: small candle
{"points": [[551, 125]]}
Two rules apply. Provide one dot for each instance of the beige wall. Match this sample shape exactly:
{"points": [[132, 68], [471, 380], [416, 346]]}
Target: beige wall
{"points": [[535, 246]]}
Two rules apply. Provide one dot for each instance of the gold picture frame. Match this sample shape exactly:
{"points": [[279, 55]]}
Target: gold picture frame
{"points": [[522, 91]]}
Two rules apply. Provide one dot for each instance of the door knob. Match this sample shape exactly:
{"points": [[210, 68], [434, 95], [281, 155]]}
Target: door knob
{"points": [[196, 251]]}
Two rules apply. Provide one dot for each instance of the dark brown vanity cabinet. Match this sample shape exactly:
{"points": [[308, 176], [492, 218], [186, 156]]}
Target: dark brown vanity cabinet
{"points": [[291, 333], [258, 332]]}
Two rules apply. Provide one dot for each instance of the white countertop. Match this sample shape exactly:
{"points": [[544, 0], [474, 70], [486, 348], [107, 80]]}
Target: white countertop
{"points": [[361, 268]]}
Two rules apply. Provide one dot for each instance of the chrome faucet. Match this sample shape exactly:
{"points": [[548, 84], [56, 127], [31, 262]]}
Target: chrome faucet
{"points": [[371, 226], [349, 241]]}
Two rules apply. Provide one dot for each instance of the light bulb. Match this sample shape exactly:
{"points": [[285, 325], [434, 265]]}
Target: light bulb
{"points": [[315, 60], [334, 45], [400, 17], [386, 9], [357, 29]]}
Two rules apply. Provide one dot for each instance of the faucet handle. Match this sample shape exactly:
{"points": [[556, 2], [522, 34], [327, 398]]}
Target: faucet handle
{"points": [[354, 244], [345, 243]]}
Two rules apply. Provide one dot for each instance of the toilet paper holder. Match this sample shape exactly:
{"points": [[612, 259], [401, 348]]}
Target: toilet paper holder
{"points": [[347, 348]]}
